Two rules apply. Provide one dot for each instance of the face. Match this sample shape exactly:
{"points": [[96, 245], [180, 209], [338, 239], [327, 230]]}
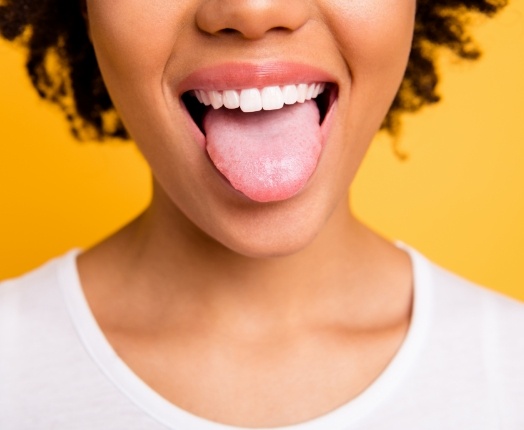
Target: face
{"points": [[160, 59]]}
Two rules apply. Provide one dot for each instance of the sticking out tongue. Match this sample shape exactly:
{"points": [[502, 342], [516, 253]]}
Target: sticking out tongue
{"points": [[267, 155]]}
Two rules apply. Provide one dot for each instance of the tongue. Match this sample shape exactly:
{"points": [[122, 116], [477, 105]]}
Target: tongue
{"points": [[266, 155]]}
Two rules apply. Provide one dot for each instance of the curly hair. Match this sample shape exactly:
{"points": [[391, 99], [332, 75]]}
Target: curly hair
{"points": [[62, 65]]}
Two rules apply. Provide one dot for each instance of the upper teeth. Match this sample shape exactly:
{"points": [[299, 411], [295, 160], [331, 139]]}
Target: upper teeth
{"points": [[255, 99]]}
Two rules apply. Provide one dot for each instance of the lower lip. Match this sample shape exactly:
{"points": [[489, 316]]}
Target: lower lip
{"points": [[200, 139]]}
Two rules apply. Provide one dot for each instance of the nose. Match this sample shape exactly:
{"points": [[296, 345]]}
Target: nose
{"points": [[251, 19]]}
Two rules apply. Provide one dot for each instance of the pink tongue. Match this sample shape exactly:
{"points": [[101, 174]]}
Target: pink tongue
{"points": [[267, 155]]}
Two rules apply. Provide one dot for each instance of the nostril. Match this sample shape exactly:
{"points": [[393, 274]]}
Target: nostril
{"points": [[228, 31], [246, 34]]}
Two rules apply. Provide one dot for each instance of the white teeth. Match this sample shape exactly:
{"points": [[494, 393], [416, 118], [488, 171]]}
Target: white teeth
{"points": [[310, 91], [272, 98], [316, 91], [250, 100], [302, 93], [231, 99], [216, 99], [205, 98], [254, 99], [198, 96], [290, 94]]}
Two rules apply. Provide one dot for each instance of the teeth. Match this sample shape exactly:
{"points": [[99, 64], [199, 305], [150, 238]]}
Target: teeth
{"points": [[302, 93], [254, 99], [199, 97], [250, 100], [231, 99], [205, 98], [216, 99], [272, 98], [290, 94], [310, 91], [316, 91]]}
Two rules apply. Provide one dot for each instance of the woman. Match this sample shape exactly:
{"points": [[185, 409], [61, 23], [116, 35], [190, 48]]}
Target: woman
{"points": [[247, 294]]}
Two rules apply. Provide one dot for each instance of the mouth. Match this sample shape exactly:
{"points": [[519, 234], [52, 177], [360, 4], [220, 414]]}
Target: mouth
{"points": [[263, 128], [199, 102]]}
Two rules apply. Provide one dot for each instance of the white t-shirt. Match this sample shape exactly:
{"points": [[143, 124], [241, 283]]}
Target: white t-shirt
{"points": [[460, 367]]}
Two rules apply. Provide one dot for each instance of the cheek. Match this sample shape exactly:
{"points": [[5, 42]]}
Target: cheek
{"points": [[125, 35], [133, 40], [375, 34], [374, 37]]}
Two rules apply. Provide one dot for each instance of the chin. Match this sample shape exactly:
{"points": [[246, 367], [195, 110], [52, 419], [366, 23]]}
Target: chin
{"points": [[280, 231], [273, 244]]}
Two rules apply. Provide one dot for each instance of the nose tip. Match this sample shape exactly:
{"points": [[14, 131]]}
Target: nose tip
{"points": [[251, 19]]}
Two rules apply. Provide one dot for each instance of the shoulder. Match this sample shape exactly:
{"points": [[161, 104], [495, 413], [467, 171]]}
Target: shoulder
{"points": [[27, 290], [459, 298], [30, 303], [456, 296], [473, 330], [455, 300], [496, 319], [34, 322], [467, 317]]}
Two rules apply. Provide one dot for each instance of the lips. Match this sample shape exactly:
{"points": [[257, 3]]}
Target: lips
{"points": [[249, 75], [255, 131]]}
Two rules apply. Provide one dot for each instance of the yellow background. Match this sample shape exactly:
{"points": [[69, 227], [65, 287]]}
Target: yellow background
{"points": [[459, 198]]}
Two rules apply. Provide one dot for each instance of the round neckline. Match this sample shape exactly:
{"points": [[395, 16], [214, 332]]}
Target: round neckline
{"points": [[174, 417]]}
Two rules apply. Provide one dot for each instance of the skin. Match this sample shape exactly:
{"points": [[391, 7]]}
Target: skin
{"points": [[293, 307]]}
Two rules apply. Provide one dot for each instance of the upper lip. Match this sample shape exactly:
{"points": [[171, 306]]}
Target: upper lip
{"points": [[249, 75]]}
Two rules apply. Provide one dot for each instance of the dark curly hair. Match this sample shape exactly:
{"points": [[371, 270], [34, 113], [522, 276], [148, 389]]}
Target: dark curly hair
{"points": [[62, 65]]}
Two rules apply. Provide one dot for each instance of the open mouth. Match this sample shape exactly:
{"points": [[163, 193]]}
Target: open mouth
{"points": [[199, 102], [266, 142]]}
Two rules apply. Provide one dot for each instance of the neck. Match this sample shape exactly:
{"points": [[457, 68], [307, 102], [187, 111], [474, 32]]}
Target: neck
{"points": [[167, 263]]}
